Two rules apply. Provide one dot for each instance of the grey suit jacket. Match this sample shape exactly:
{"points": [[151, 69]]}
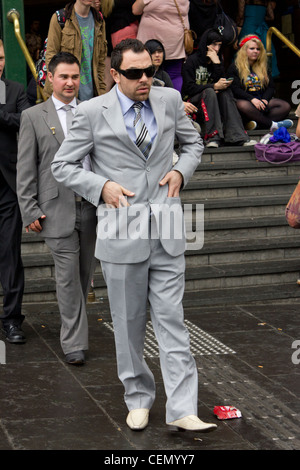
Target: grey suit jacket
{"points": [[38, 192], [98, 129]]}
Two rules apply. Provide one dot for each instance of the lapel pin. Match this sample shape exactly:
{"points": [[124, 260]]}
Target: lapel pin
{"points": [[53, 130]]}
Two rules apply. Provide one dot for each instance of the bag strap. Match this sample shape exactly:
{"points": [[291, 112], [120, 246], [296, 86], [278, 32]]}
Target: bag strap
{"points": [[61, 17], [180, 15], [277, 145], [219, 8]]}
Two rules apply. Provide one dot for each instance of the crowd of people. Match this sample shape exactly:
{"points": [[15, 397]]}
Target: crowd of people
{"points": [[208, 86], [99, 141]]}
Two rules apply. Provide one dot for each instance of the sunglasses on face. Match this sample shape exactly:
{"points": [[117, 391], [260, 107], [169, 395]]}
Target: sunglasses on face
{"points": [[136, 74]]}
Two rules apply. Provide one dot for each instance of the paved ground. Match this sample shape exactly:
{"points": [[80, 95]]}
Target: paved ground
{"points": [[245, 358]]}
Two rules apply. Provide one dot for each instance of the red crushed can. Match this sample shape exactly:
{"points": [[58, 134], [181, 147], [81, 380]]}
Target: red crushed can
{"points": [[227, 412]]}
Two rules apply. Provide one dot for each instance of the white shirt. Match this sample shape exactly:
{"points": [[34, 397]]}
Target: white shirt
{"points": [[62, 115]]}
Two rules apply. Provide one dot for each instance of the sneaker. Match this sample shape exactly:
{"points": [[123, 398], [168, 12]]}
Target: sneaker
{"points": [[213, 143], [251, 125], [287, 123], [265, 138], [249, 143]]}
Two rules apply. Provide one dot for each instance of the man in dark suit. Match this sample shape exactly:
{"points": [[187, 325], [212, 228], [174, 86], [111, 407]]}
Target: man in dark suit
{"points": [[12, 102]]}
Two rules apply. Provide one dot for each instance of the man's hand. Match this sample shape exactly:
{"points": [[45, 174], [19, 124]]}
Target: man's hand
{"points": [[114, 194], [174, 179], [36, 225]]}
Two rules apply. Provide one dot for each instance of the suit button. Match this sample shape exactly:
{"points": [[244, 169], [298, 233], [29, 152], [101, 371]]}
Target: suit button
{"points": [[147, 169]]}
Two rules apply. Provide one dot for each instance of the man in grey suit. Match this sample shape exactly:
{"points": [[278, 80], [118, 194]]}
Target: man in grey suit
{"points": [[135, 186], [66, 221]]}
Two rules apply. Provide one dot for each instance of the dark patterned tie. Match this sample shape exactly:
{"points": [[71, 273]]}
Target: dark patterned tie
{"points": [[143, 139]]}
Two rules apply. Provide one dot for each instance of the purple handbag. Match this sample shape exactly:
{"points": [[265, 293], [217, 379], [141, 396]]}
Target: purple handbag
{"points": [[278, 153]]}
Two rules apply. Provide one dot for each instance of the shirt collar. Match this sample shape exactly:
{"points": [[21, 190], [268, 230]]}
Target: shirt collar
{"points": [[59, 104], [126, 103]]}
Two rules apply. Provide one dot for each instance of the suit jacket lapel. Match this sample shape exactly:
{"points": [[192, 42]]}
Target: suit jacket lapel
{"points": [[158, 106], [52, 121], [113, 114]]}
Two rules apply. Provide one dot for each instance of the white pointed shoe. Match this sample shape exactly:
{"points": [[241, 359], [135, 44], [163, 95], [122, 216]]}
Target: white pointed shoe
{"points": [[192, 423], [138, 419]]}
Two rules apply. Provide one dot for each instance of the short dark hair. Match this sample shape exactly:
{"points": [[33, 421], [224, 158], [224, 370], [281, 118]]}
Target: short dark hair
{"points": [[62, 57], [129, 44]]}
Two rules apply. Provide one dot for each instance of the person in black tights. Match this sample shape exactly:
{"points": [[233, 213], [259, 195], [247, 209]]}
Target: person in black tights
{"points": [[253, 88]]}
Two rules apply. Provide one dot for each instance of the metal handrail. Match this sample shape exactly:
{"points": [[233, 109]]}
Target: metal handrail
{"points": [[283, 38], [13, 17]]}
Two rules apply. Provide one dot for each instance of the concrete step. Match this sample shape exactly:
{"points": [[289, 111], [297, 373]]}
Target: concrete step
{"points": [[243, 169], [240, 251], [232, 153], [226, 297], [241, 273], [34, 243], [228, 154], [204, 189], [243, 207], [212, 252], [194, 299]]}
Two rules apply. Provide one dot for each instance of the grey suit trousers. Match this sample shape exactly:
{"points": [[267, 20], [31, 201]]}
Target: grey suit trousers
{"points": [[159, 279], [74, 266]]}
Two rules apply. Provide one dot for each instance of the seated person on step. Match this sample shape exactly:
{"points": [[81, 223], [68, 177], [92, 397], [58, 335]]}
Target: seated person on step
{"points": [[161, 77], [205, 85], [253, 88]]}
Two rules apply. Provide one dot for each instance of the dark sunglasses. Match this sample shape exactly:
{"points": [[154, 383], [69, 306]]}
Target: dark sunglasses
{"points": [[136, 74]]}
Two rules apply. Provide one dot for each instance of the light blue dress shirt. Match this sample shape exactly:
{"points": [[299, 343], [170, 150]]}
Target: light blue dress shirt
{"points": [[129, 115]]}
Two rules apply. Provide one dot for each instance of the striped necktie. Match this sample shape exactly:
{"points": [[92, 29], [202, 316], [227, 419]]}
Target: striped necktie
{"points": [[143, 139]]}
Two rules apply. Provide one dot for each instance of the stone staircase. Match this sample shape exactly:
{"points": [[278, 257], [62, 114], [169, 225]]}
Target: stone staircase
{"points": [[249, 254]]}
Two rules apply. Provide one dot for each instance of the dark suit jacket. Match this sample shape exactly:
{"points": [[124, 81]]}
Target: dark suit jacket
{"points": [[10, 113]]}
